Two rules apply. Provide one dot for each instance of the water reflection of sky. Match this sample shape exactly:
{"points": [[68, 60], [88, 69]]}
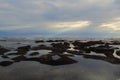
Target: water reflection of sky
{"points": [[85, 69]]}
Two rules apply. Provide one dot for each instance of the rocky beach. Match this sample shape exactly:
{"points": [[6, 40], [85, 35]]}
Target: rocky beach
{"points": [[44, 57]]}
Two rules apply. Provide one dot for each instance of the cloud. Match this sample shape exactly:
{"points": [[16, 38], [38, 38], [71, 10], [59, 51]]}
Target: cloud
{"points": [[113, 24], [72, 3], [59, 16], [71, 24], [7, 28]]}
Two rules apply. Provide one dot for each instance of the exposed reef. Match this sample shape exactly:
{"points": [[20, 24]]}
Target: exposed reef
{"points": [[60, 52]]}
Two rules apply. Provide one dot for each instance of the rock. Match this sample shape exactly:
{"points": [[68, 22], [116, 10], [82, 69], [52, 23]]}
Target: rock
{"points": [[95, 42], [106, 51], [41, 47], [13, 54], [62, 60], [81, 45], [5, 63], [4, 56], [55, 40], [50, 41], [115, 42], [101, 50], [39, 41], [59, 40], [19, 58], [58, 50], [75, 52], [34, 53], [3, 50], [60, 47], [54, 60], [118, 53], [66, 44], [23, 49]]}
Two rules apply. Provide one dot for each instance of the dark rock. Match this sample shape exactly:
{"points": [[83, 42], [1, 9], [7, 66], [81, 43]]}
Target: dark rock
{"points": [[46, 58], [50, 41], [66, 44], [19, 58], [118, 53], [75, 52], [58, 50], [106, 51], [101, 50], [4, 56], [49, 60], [59, 40], [95, 42], [39, 41], [115, 42], [41, 58], [55, 40], [107, 45], [3, 50], [39, 47], [13, 54], [23, 49], [81, 45], [34, 53], [60, 47], [63, 60], [5, 63]]}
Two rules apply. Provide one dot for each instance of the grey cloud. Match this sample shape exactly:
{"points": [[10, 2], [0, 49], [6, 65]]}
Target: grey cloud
{"points": [[36, 13]]}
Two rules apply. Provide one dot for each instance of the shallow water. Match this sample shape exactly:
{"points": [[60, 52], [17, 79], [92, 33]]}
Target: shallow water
{"points": [[84, 69]]}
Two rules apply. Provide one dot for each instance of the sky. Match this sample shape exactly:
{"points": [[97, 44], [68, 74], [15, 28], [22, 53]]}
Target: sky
{"points": [[60, 18]]}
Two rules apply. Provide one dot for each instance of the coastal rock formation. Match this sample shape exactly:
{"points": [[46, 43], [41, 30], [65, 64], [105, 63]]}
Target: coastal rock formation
{"points": [[60, 47], [41, 47], [118, 53], [23, 49], [5, 63], [34, 53], [62, 52], [59, 60], [3, 50]]}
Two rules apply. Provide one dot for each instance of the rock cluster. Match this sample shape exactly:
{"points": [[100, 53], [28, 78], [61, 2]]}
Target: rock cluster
{"points": [[57, 55]]}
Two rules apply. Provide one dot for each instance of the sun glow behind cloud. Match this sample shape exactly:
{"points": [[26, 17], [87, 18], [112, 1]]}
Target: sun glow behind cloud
{"points": [[63, 27], [72, 24], [112, 25]]}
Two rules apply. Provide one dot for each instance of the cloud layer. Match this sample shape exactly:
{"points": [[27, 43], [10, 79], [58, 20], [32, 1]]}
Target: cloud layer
{"points": [[71, 24], [66, 16], [113, 25]]}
